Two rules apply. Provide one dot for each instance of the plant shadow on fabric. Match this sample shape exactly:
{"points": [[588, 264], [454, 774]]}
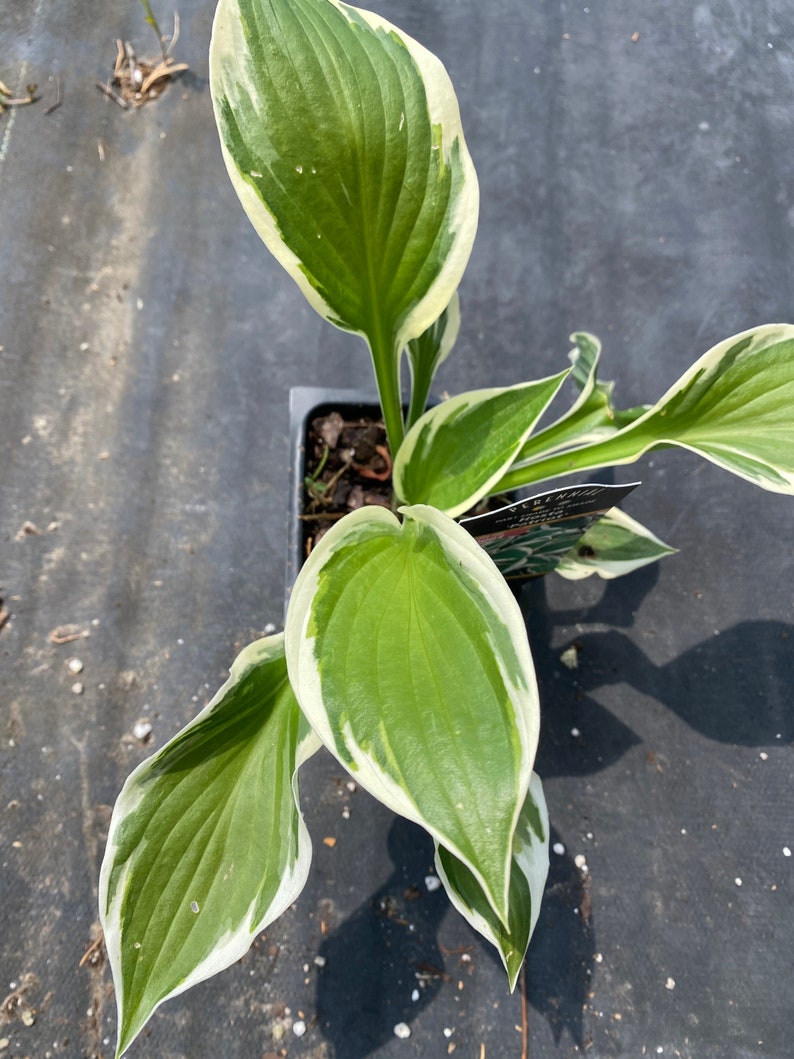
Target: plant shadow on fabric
{"points": [[357, 1013]]}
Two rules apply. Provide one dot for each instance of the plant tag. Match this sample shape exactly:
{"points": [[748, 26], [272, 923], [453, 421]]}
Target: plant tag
{"points": [[530, 537]]}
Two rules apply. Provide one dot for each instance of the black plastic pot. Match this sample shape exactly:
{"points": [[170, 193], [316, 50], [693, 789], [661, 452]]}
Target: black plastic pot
{"points": [[305, 404]]}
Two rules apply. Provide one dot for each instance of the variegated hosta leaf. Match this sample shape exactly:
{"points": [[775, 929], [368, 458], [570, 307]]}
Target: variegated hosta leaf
{"points": [[733, 406], [343, 140], [591, 417], [427, 352], [529, 869], [455, 452], [207, 844], [409, 656], [617, 544]]}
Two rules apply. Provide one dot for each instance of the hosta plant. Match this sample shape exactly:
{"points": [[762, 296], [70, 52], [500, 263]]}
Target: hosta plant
{"points": [[404, 651]]}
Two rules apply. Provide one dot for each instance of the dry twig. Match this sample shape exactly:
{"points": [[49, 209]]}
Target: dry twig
{"points": [[137, 81], [7, 98]]}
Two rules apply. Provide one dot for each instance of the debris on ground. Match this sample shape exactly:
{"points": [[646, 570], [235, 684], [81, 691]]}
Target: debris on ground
{"points": [[137, 81], [7, 98]]}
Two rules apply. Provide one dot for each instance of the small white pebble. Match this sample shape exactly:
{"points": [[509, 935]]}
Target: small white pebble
{"points": [[580, 860], [345, 812], [738, 881], [142, 729], [598, 957], [683, 830], [764, 756], [433, 883], [448, 1031], [269, 629], [299, 1027], [305, 968], [75, 666], [558, 848], [402, 1030], [350, 785], [77, 688], [575, 733], [415, 995], [786, 851], [670, 983]]}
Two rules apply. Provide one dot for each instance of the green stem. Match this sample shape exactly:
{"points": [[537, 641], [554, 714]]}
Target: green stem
{"points": [[419, 392], [387, 376], [624, 447]]}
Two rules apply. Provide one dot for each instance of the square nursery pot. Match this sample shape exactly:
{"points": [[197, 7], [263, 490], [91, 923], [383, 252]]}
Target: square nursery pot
{"points": [[307, 403]]}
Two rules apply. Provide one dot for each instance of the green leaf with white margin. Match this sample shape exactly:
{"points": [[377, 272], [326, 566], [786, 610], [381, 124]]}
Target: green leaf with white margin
{"points": [[733, 407], [530, 866], [207, 844], [616, 545], [409, 656], [427, 352], [343, 140], [592, 416], [454, 454]]}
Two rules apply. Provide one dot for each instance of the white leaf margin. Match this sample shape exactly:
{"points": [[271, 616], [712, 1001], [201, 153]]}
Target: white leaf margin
{"points": [[306, 684], [530, 857], [437, 417], [572, 568], [228, 39], [233, 945]]}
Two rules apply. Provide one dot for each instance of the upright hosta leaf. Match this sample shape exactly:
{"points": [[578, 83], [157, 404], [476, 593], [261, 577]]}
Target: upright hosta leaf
{"points": [[733, 406], [427, 352], [529, 868], [342, 137], [616, 545], [409, 656], [206, 845], [455, 452], [592, 416]]}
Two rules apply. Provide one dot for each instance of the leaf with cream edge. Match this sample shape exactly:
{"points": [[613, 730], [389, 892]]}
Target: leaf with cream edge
{"points": [[409, 656], [454, 454], [733, 407], [529, 870], [616, 545], [343, 140], [207, 844], [427, 352], [591, 417]]}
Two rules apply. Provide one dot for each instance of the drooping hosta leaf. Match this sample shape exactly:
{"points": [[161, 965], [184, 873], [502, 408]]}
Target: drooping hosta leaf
{"points": [[617, 544], [343, 140], [409, 656], [455, 452], [206, 844], [529, 869], [427, 352], [592, 416], [733, 406]]}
